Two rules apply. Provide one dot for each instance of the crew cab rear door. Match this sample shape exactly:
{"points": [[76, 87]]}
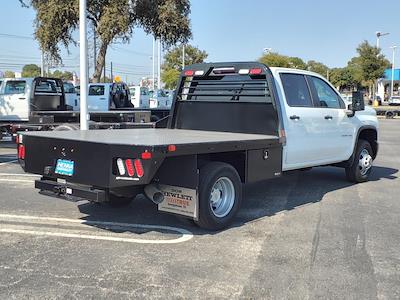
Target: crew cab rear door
{"points": [[303, 123], [337, 126]]}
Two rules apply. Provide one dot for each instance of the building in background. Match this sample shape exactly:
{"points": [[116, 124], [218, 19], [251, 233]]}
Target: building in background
{"points": [[384, 84]]}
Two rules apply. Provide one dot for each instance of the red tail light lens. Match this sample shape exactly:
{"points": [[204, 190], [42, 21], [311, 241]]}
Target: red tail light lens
{"points": [[129, 167], [139, 168], [21, 151], [189, 73], [146, 155], [256, 71]]}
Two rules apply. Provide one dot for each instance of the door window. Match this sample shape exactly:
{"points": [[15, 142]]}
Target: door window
{"points": [[96, 90], [326, 96], [296, 90], [15, 87]]}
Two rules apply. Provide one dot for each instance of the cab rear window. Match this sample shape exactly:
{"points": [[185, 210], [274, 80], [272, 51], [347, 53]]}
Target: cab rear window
{"points": [[15, 87]]}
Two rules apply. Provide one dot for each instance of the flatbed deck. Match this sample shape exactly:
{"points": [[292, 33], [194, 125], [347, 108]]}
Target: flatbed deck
{"points": [[156, 137]]}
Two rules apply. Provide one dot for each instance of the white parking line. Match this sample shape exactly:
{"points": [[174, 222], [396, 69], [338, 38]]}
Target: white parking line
{"points": [[16, 180], [8, 162], [18, 175], [185, 234]]}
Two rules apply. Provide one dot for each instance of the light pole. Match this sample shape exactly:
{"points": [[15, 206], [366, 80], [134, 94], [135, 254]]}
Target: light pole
{"points": [[83, 63], [391, 86], [183, 56], [378, 35], [267, 50], [159, 64], [154, 63]]}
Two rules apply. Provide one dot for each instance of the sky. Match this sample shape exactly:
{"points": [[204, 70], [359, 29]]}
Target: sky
{"points": [[231, 30]]}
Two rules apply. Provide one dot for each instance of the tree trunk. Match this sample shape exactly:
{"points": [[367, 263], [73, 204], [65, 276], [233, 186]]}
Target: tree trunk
{"points": [[100, 62]]}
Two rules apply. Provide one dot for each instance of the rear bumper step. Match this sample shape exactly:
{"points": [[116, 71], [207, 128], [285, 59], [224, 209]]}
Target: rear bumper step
{"points": [[71, 192]]}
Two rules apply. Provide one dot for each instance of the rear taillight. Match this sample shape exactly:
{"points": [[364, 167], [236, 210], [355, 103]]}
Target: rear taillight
{"points": [[129, 167], [256, 71], [121, 167], [189, 73], [21, 151], [139, 168]]}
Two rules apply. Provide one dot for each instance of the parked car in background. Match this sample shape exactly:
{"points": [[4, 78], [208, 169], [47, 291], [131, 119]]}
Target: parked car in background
{"points": [[394, 100], [71, 96], [159, 99], [140, 97]]}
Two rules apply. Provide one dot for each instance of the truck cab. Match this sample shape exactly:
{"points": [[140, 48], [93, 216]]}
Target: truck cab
{"points": [[319, 127], [140, 96], [108, 96]]}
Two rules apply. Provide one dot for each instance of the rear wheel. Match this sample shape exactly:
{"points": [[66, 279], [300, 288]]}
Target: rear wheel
{"points": [[361, 167], [66, 127], [220, 195]]}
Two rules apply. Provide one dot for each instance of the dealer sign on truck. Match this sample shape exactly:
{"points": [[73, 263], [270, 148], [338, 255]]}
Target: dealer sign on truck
{"points": [[179, 201]]}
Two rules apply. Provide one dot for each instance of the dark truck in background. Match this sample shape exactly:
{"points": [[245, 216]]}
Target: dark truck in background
{"points": [[231, 123]]}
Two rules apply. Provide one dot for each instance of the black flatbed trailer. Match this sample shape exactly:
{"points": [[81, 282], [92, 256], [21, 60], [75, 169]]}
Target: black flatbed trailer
{"points": [[224, 130]]}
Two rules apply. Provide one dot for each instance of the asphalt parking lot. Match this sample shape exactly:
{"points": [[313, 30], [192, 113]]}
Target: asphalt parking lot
{"points": [[306, 235]]}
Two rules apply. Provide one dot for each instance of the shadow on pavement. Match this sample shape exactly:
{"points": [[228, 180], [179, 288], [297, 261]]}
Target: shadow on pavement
{"points": [[293, 190]]}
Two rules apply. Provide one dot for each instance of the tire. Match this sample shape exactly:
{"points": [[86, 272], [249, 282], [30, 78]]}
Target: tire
{"points": [[218, 213], [66, 127], [361, 167]]}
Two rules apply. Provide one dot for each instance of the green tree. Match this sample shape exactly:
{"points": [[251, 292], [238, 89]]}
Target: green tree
{"points": [[370, 63], [344, 78], [62, 75], [274, 59], [297, 63], [9, 74], [170, 78], [193, 55], [172, 65], [31, 70], [317, 67], [113, 20]]}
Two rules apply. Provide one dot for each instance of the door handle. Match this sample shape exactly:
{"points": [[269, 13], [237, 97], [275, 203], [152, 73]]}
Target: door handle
{"points": [[22, 98], [294, 117], [328, 117]]}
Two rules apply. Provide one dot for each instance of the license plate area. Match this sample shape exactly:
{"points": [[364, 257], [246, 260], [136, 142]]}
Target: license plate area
{"points": [[65, 167]]}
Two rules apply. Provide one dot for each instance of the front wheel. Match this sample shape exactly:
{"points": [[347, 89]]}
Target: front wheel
{"points": [[220, 195], [361, 167]]}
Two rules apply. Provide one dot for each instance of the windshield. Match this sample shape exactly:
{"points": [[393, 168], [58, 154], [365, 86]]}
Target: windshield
{"points": [[15, 87], [96, 90], [69, 88]]}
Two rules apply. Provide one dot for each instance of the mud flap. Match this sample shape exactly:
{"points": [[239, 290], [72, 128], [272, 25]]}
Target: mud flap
{"points": [[180, 201]]}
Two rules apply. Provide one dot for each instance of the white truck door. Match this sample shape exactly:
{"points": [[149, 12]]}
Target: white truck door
{"points": [[98, 99], [15, 101], [303, 124], [337, 126]]}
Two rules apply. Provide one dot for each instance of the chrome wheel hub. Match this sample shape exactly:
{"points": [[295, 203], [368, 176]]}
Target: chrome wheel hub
{"points": [[222, 197], [364, 162]]}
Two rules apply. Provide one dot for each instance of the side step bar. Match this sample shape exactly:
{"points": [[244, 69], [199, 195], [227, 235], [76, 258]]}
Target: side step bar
{"points": [[70, 191]]}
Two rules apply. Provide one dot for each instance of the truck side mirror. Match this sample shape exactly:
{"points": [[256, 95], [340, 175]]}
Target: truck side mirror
{"points": [[357, 103]]}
